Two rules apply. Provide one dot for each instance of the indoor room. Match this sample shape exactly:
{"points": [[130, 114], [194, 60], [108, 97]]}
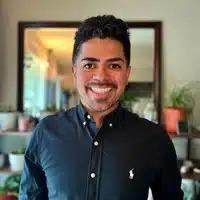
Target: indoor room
{"points": [[37, 78]]}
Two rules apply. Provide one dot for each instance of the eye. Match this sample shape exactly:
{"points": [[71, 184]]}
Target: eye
{"points": [[88, 66], [115, 66]]}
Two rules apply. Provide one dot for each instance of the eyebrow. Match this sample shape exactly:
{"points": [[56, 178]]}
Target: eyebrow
{"points": [[91, 59]]}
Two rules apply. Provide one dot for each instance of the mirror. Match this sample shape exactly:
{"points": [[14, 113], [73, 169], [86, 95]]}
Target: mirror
{"points": [[45, 81]]}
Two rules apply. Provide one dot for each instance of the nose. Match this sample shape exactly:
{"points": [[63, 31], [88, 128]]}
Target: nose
{"points": [[101, 73]]}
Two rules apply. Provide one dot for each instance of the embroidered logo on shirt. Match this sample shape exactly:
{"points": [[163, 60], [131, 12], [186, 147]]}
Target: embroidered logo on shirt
{"points": [[131, 174]]}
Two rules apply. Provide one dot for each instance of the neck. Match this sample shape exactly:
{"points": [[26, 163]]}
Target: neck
{"points": [[99, 115]]}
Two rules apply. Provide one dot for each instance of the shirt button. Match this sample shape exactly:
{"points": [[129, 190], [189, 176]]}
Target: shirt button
{"points": [[110, 124], [88, 117], [96, 143], [84, 123], [92, 175]]}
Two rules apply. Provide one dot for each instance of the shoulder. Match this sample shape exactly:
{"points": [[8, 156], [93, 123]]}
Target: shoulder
{"points": [[145, 128], [139, 122], [58, 117], [54, 121], [153, 135], [53, 124]]}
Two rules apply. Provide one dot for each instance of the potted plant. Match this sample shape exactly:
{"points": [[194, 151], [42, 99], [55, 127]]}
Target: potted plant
{"points": [[6, 195], [10, 188], [179, 106], [16, 159], [8, 117]]}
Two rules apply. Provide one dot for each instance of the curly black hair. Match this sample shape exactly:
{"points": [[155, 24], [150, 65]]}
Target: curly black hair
{"points": [[105, 26]]}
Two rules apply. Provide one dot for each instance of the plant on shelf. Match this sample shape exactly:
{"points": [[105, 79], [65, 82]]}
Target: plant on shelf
{"points": [[179, 106], [8, 117], [19, 151], [16, 159], [10, 188]]}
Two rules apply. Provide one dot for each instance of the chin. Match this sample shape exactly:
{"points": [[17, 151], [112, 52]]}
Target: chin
{"points": [[102, 107]]}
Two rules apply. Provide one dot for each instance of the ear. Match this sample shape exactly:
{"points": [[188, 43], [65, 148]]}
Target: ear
{"points": [[74, 71], [128, 73]]}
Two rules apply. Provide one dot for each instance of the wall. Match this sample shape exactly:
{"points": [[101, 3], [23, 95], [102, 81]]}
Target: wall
{"points": [[181, 31], [141, 74], [1, 51]]}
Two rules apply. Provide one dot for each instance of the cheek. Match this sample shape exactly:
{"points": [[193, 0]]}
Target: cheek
{"points": [[122, 81], [82, 79]]}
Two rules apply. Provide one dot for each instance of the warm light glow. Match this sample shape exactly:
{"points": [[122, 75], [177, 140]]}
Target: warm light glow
{"points": [[60, 46], [60, 40]]}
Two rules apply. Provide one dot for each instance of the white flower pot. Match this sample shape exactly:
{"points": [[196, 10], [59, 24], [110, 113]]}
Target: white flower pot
{"points": [[16, 161], [8, 120]]}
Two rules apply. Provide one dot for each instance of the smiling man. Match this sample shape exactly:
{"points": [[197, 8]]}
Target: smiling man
{"points": [[98, 150], [101, 71]]}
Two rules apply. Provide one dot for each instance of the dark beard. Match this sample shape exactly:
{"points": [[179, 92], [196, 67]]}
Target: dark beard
{"points": [[102, 109]]}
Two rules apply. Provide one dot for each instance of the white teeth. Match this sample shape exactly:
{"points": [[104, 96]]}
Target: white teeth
{"points": [[100, 90]]}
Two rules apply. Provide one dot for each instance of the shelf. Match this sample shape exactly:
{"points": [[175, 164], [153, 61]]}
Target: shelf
{"points": [[186, 135], [191, 176], [15, 133], [9, 171]]}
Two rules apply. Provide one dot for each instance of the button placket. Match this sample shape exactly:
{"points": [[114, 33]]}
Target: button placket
{"points": [[94, 169], [96, 143], [84, 123], [93, 175]]}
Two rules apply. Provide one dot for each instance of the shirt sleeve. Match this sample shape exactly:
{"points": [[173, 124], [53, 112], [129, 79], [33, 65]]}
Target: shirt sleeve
{"points": [[167, 184], [33, 180]]}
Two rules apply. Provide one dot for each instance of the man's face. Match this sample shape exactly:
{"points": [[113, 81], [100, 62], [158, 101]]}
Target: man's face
{"points": [[101, 73]]}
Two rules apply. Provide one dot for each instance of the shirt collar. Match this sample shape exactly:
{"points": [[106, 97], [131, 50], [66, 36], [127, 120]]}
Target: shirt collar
{"points": [[83, 115], [110, 119]]}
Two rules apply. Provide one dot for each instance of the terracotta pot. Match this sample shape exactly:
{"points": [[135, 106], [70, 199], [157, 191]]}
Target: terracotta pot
{"points": [[8, 197], [172, 115]]}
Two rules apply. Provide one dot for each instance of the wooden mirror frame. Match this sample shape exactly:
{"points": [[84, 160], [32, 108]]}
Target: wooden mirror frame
{"points": [[156, 25]]}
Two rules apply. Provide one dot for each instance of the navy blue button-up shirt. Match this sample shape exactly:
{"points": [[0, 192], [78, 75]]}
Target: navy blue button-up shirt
{"points": [[68, 158]]}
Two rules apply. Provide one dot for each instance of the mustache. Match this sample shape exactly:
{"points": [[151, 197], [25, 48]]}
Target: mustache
{"points": [[101, 83]]}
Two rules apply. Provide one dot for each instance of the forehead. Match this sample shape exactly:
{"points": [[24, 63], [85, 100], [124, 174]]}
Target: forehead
{"points": [[102, 48]]}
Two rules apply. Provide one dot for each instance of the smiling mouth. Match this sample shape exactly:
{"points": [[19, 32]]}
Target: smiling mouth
{"points": [[100, 90]]}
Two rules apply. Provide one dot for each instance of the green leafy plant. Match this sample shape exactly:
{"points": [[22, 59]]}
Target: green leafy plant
{"points": [[2, 191], [19, 151], [180, 97], [11, 186], [127, 98]]}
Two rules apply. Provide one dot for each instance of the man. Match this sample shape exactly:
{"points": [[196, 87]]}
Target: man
{"points": [[98, 150]]}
